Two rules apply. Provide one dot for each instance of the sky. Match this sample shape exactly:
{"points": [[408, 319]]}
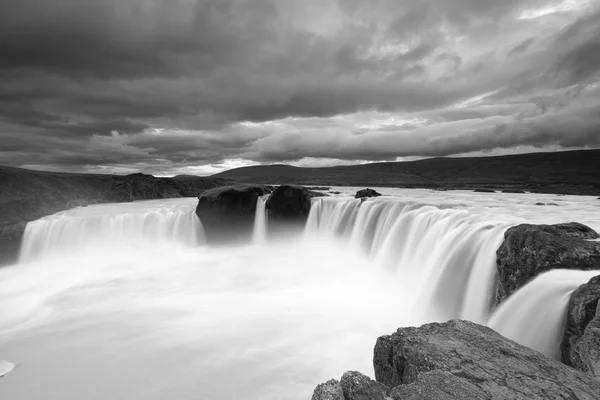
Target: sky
{"points": [[200, 86]]}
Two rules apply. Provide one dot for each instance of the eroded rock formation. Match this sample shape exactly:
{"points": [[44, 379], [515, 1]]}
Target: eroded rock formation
{"points": [[581, 342], [462, 360], [529, 250]]}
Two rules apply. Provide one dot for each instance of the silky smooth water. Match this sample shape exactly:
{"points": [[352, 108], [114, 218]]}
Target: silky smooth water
{"points": [[124, 301]]}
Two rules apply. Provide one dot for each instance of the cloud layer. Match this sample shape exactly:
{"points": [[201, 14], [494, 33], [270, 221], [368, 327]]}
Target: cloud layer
{"points": [[168, 86]]}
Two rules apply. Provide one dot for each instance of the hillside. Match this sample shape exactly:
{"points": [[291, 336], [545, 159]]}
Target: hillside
{"points": [[571, 172], [27, 195]]}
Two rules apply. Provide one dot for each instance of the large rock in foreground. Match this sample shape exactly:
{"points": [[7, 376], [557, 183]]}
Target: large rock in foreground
{"points": [[529, 250], [460, 360], [581, 342], [227, 213]]}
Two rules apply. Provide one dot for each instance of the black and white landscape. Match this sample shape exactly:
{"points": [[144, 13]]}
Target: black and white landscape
{"points": [[265, 199]]}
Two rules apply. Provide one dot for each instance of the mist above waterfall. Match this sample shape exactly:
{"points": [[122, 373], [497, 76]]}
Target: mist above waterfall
{"points": [[127, 298]]}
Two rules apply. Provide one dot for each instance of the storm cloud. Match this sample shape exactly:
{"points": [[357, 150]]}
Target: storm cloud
{"points": [[169, 86]]}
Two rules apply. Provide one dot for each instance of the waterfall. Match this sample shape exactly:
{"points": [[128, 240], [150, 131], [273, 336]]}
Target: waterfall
{"points": [[259, 234], [82, 228], [447, 255], [535, 315]]}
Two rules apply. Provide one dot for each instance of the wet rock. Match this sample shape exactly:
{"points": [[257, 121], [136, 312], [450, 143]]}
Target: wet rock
{"points": [[290, 203], [581, 341], [357, 386], [516, 191], [484, 190], [529, 250], [330, 390], [367, 193], [463, 360], [227, 213], [318, 188]]}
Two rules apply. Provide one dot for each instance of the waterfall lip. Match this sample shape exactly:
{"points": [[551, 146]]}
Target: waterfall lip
{"points": [[169, 221]]}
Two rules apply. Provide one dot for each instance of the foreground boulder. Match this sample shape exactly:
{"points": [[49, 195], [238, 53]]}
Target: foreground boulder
{"points": [[529, 250], [227, 213], [460, 360], [367, 193], [581, 342]]}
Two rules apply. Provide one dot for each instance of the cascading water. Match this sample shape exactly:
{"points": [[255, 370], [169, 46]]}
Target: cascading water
{"points": [[447, 255], [535, 315], [105, 297], [259, 234], [127, 225]]}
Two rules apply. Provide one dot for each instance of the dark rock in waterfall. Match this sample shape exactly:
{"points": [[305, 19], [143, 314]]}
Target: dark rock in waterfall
{"points": [[318, 188], [330, 390], [366, 193], [463, 360], [546, 204], [357, 386], [529, 250], [288, 208], [484, 190], [227, 213], [335, 192], [268, 189], [290, 202], [460, 360], [515, 191], [581, 341]]}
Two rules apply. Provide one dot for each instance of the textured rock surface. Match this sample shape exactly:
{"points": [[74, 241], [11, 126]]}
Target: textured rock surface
{"points": [[367, 193], [581, 342], [483, 365], [460, 360], [484, 190], [228, 212], [529, 250], [357, 386], [27, 195], [330, 390], [290, 202]]}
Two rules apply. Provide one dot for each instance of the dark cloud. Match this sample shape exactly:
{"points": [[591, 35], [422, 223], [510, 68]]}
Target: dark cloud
{"points": [[145, 83]]}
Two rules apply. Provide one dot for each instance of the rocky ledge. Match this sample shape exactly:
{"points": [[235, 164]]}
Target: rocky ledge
{"points": [[581, 342], [463, 361], [529, 250]]}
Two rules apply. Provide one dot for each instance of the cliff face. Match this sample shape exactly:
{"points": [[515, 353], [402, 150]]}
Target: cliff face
{"points": [[27, 195]]}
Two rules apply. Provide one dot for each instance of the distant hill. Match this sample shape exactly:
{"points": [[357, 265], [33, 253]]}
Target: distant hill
{"points": [[27, 195], [569, 172]]}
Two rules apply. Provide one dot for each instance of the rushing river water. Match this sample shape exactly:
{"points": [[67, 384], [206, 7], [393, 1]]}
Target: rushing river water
{"points": [[124, 301]]}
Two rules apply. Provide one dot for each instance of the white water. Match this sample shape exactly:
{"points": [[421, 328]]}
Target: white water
{"points": [[535, 315], [259, 234], [125, 224], [96, 313]]}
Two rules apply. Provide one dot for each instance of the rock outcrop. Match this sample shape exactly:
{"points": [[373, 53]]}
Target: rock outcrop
{"points": [[290, 203], [581, 342], [330, 390], [227, 213], [367, 193], [529, 250], [484, 190], [514, 191], [460, 360]]}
